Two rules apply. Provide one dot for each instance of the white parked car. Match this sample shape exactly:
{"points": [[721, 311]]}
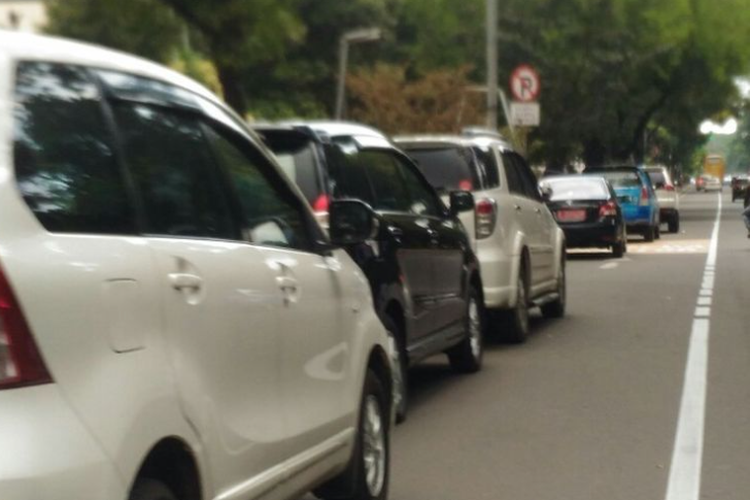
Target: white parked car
{"points": [[175, 324], [669, 198], [520, 247]]}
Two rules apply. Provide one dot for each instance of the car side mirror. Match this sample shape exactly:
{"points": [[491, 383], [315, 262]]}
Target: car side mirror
{"points": [[546, 193], [351, 222], [461, 201]]}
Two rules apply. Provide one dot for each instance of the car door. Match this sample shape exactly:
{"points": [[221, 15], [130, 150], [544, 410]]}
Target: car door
{"points": [[220, 298], [315, 352], [449, 244], [408, 236], [543, 220]]}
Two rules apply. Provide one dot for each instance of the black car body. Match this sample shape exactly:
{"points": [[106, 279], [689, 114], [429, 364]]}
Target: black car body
{"points": [[586, 208], [420, 265], [739, 187]]}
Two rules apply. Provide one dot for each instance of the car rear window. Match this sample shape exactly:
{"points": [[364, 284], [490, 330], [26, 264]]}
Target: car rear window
{"points": [[657, 177], [295, 153], [577, 189], [621, 178], [447, 168]]}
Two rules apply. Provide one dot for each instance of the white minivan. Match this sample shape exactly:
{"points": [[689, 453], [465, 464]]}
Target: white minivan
{"points": [[174, 324]]}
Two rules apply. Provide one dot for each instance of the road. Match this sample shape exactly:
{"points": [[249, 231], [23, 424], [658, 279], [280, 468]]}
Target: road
{"points": [[588, 408]]}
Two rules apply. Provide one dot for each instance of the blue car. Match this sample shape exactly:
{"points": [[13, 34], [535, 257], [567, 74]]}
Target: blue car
{"points": [[636, 196]]}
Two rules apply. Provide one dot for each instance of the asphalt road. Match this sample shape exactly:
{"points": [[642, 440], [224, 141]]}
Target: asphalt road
{"points": [[588, 408]]}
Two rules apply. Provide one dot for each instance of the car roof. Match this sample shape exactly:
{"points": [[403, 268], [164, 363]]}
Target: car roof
{"points": [[32, 47], [427, 141]]}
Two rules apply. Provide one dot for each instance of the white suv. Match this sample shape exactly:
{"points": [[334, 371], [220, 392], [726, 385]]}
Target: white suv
{"points": [[174, 324], [520, 247], [669, 198]]}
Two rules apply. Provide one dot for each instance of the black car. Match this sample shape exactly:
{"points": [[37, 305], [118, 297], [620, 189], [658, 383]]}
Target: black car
{"points": [[587, 210], [739, 187], [423, 274]]}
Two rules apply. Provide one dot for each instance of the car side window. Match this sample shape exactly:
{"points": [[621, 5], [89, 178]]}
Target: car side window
{"points": [[487, 162], [180, 186], [66, 167], [387, 181], [530, 182], [515, 183], [272, 214], [347, 176], [422, 200]]}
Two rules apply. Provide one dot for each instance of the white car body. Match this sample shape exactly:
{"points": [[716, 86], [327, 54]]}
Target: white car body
{"points": [[243, 363], [668, 196], [523, 226]]}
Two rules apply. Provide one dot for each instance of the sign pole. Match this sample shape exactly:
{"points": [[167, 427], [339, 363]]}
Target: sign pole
{"points": [[492, 64]]}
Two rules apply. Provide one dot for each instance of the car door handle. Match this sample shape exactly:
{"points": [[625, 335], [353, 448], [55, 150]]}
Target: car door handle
{"points": [[185, 281], [289, 287]]}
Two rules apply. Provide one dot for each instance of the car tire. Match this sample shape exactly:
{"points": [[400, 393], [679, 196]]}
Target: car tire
{"points": [[674, 224], [516, 324], [466, 357], [618, 250], [150, 489], [556, 308], [400, 372], [367, 476], [649, 234], [657, 232]]}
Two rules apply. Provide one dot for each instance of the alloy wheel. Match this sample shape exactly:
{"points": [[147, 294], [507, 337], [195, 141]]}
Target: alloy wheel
{"points": [[374, 446]]}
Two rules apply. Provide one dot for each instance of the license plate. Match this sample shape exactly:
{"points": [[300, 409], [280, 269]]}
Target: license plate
{"points": [[571, 215]]}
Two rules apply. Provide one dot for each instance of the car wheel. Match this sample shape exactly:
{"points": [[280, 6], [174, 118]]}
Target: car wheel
{"points": [[466, 357], [367, 476], [400, 373], [517, 319], [657, 232], [674, 224], [618, 250], [556, 308], [150, 489], [649, 235]]}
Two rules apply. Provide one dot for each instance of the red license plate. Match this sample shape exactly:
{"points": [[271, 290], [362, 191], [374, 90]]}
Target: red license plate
{"points": [[571, 215]]}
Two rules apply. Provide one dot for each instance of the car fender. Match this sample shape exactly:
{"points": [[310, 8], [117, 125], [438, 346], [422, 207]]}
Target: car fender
{"points": [[520, 242]]}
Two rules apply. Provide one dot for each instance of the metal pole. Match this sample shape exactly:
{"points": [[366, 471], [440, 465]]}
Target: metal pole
{"points": [[492, 64], [341, 87]]}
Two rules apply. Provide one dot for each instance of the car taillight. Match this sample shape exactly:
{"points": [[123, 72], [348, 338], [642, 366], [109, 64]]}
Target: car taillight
{"points": [[485, 217], [321, 203], [21, 364], [608, 209], [644, 196], [669, 187]]}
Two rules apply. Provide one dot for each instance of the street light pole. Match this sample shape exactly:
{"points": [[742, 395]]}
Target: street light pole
{"points": [[492, 64], [355, 36]]}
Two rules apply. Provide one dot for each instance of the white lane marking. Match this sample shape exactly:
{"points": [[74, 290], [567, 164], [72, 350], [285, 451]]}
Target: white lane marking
{"points": [[704, 301], [687, 456], [609, 265]]}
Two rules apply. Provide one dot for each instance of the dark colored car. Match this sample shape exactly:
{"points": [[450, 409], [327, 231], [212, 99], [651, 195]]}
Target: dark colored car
{"points": [[423, 274], [636, 197], [739, 187], [586, 209]]}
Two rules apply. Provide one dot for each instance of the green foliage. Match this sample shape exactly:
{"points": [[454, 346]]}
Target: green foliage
{"points": [[141, 27]]}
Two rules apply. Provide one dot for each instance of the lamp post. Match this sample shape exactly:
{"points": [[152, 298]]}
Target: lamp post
{"points": [[350, 37]]}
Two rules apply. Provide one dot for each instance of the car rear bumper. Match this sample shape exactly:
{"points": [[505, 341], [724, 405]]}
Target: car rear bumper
{"points": [[496, 275], [47, 452], [591, 234]]}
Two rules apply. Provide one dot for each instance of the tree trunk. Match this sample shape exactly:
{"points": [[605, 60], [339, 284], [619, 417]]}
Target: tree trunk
{"points": [[231, 84], [594, 153]]}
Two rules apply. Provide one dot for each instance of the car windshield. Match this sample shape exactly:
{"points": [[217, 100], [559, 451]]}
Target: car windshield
{"points": [[447, 168], [295, 153], [579, 188], [621, 178]]}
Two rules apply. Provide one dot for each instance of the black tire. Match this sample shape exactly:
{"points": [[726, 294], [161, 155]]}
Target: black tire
{"points": [[621, 247], [354, 483], [150, 489], [556, 308], [649, 234], [400, 372], [657, 232], [674, 224], [516, 321], [466, 357]]}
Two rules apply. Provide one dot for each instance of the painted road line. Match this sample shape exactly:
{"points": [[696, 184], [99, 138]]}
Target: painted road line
{"points": [[687, 456], [609, 265]]}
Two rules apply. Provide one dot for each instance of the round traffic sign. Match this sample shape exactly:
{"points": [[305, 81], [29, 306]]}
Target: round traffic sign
{"points": [[524, 83]]}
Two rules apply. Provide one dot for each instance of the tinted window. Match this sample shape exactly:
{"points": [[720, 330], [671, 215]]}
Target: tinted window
{"points": [[295, 153], [173, 170], [347, 175], [65, 164], [577, 189], [447, 168], [422, 199], [621, 178], [515, 183], [386, 179], [529, 180], [485, 158], [272, 214]]}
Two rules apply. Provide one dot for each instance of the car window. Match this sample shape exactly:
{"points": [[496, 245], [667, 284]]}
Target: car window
{"points": [[423, 201], [348, 176], [447, 168], [174, 173], [387, 181], [515, 184], [577, 189], [529, 180], [295, 153], [65, 164], [485, 157], [621, 178], [272, 214], [657, 177]]}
